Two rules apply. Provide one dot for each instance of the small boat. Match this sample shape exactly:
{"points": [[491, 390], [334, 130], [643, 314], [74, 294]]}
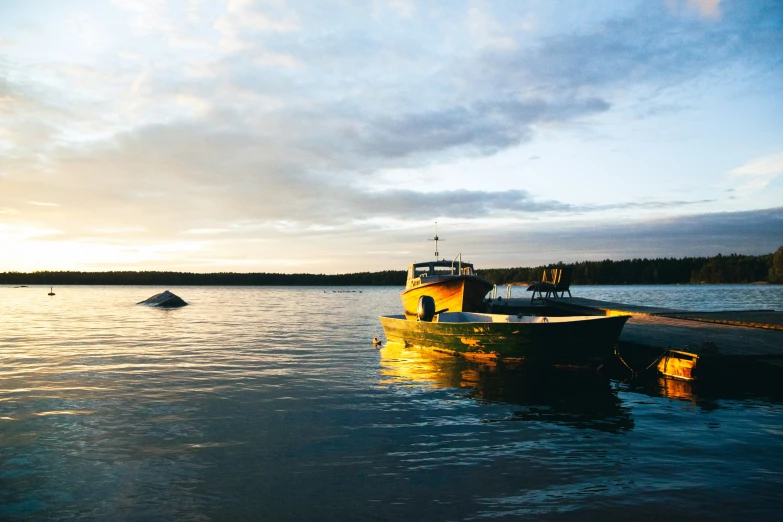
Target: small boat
{"points": [[575, 340], [453, 284]]}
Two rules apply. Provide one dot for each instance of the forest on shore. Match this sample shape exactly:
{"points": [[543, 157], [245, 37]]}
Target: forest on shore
{"points": [[734, 268]]}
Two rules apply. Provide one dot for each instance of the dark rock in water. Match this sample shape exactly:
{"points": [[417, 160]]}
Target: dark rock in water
{"points": [[164, 300]]}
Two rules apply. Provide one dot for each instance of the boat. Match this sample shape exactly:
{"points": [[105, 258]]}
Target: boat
{"points": [[453, 285], [572, 341]]}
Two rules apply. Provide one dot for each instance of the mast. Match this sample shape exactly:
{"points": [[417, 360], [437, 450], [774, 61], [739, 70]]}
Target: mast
{"points": [[436, 239]]}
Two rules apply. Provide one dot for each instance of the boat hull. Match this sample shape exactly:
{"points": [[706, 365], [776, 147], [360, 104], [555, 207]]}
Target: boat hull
{"points": [[573, 342], [456, 294]]}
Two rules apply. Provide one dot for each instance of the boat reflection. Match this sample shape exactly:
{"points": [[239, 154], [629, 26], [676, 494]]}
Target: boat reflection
{"points": [[707, 396], [580, 399], [676, 389]]}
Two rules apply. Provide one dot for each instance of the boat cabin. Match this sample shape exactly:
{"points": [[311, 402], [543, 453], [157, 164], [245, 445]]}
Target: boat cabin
{"points": [[431, 271]]}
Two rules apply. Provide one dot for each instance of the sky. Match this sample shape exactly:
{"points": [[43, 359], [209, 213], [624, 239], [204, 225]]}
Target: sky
{"points": [[330, 136]]}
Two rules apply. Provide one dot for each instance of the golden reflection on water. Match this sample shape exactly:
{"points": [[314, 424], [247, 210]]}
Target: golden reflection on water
{"points": [[677, 389], [518, 384], [64, 412], [581, 399], [400, 365]]}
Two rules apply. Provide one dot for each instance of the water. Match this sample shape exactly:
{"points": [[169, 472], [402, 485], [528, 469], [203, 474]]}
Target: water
{"points": [[272, 403]]}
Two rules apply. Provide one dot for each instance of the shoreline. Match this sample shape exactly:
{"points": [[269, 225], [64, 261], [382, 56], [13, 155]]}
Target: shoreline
{"points": [[338, 285]]}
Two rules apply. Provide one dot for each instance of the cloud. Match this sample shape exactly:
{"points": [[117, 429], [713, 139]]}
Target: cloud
{"points": [[279, 117], [645, 46], [471, 204], [404, 8], [239, 178], [452, 203], [766, 166], [240, 26], [485, 126], [750, 232], [487, 32], [709, 9], [757, 174]]}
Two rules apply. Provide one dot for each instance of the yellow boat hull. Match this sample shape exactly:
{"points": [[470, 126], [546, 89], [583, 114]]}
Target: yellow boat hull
{"points": [[455, 294]]}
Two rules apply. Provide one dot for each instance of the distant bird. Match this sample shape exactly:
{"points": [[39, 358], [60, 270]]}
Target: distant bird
{"points": [[376, 341], [50, 291]]}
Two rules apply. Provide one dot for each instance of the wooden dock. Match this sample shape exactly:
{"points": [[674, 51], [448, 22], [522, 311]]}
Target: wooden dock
{"points": [[729, 337], [595, 307]]}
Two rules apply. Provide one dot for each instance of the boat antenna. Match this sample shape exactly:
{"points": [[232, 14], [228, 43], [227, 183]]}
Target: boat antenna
{"points": [[436, 239]]}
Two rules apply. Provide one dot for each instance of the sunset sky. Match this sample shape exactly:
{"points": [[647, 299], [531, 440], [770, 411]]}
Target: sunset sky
{"points": [[329, 136]]}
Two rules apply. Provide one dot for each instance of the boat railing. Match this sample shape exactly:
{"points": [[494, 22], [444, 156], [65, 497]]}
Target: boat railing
{"points": [[458, 256], [494, 294]]}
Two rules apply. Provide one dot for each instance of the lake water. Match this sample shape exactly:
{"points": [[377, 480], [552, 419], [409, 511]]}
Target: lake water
{"points": [[272, 404], [680, 297]]}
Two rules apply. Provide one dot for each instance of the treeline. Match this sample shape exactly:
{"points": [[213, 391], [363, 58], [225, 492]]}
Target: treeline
{"points": [[387, 278], [732, 268]]}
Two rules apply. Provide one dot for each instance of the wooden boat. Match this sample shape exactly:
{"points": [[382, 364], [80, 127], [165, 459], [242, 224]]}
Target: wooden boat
{"points": [[453, 284], [576, 340]]}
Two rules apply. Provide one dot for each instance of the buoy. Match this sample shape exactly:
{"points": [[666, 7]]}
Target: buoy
{"points": [[376, 341], [50, 291]]}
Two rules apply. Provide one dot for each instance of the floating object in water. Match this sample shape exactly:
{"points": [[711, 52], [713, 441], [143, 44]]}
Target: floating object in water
{"points": [[164, 300], [376, 341], [51, 291], [679, 365]]}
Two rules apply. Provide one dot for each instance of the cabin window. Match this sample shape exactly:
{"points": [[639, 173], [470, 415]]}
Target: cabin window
{"points": [[421, 271], [434, 270]]}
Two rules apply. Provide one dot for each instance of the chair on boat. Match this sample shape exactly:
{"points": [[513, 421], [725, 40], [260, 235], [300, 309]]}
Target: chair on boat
{"points": [[553, 280]]}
